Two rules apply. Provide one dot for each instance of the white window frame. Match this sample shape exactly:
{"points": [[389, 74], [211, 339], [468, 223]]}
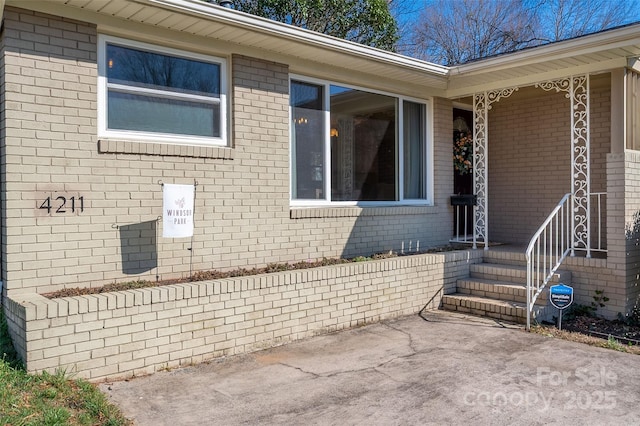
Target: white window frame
{"points": [[103, 86], [428, 160]]}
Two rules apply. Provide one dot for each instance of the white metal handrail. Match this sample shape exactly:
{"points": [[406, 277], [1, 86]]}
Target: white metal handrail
{"points": [[548, 247]]}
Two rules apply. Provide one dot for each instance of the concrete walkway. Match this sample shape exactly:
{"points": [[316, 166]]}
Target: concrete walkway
{"points": [[441, 368]]}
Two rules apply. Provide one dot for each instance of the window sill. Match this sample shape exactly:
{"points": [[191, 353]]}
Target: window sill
{"points": [[355, 211], [113, 146]]}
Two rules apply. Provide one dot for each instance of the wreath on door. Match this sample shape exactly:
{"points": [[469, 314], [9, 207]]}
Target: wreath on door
{"points": [[463, 152]]}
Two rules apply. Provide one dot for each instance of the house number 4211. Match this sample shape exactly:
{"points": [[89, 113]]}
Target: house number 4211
{"points": [[63, 204]]}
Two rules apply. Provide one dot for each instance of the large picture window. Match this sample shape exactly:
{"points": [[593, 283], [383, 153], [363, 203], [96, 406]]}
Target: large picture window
{"points": [[148, 92], [355, 146]]}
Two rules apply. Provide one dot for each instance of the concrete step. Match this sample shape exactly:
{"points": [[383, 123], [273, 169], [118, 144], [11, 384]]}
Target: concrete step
{"points": [[486, 307], [498, 309], [504, 257], [499, 290], [512, 273], [499, 272], [496, 288]]}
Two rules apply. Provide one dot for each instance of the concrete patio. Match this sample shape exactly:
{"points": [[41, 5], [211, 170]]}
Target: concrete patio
{"points": [[437, 368]]}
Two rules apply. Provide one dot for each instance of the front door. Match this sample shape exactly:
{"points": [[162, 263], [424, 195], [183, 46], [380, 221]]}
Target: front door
{"points": [[462, 173]]}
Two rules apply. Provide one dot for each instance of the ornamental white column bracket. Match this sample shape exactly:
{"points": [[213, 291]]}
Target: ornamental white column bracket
{"points": [[481, 106], [577, 88]]}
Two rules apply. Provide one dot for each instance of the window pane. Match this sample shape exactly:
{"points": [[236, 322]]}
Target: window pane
{"points": [[150, 114], [153, 70], [414, 151], [308, 136], [363, 146]]}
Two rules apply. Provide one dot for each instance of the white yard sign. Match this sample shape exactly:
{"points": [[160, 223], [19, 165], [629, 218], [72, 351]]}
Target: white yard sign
{"points": [[177, 211]]}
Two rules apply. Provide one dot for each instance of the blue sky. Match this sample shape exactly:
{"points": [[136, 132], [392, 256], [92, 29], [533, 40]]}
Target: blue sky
{"points": [[413, 8], [410, 12]]}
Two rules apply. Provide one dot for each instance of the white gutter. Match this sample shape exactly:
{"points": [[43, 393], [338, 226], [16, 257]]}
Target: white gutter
{"points": [[235, 18], [459, 79], [612, 39], [606, 40]]}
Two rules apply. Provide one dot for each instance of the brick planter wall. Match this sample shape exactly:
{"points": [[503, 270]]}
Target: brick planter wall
{"points": [[134, 332]]}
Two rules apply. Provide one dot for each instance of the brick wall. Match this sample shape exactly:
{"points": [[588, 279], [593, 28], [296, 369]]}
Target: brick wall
{"points": [[591, 275], [632, 228], [616, 238], [623, 234], [127, 333], [3, 150], [242, 212], [530, 157]]}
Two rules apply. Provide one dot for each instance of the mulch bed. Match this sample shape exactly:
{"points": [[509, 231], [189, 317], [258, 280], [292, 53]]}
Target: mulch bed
{"points": [[594, 331], [602, 328], [242, 272]]}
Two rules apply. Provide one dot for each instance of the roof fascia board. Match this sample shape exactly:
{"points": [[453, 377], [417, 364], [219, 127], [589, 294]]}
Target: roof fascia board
{"points": [[278, 29], [214, 13], [560, 50], [107, 24], [296, 65], [452, 77], [532, 79], [336, 75], [325, 71]]}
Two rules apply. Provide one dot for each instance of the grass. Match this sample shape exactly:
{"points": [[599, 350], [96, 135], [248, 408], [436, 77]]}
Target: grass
{"points": [[48, 399], [612, 343]]}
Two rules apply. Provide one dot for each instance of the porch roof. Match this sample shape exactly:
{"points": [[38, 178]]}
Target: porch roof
{"points": [[589, 54]]}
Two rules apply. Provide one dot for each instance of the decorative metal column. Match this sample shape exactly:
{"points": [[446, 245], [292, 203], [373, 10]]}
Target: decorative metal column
{"points": [[577, 90], [481, 106]]}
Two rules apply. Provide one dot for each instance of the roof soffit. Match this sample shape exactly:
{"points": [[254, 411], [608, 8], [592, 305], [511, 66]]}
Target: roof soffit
{"points": [[200, 19], [594, 53], [302, 49]]}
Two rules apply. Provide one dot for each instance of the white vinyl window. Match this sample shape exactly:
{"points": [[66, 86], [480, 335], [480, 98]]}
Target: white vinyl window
{"points": [[355, 146], [152, 93]]}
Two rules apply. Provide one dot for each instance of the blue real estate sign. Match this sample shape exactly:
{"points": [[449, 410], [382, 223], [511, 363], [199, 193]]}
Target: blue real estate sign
{"points": [[561, 296]]}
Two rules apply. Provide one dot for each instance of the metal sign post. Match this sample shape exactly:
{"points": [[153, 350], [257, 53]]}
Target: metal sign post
{"points": [[561, 296]]}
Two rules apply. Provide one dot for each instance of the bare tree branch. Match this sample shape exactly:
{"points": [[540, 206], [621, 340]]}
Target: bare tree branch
{"points": [[457, 31]]}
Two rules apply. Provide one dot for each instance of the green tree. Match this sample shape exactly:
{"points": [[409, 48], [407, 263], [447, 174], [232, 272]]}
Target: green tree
{"points": [[368, 22]]}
